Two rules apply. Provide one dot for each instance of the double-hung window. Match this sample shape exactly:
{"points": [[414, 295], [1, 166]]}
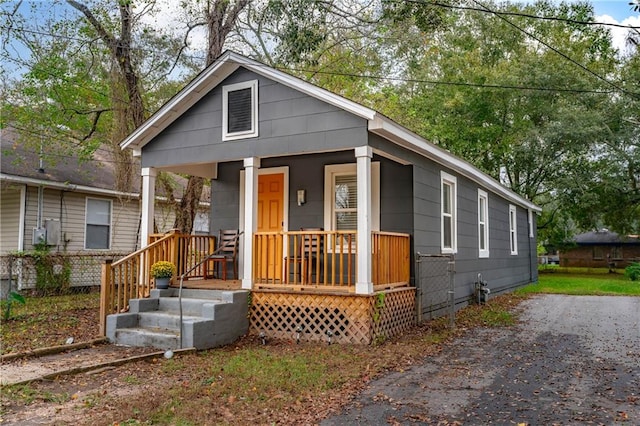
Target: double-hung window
{"points": [[341, 198], [98, 224], [513, 229], [448, 225], [483, 224], [240, 110]]}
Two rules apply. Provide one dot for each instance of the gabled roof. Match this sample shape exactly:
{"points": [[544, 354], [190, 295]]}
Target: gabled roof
{"points": [[230, 61], [605, 237]]}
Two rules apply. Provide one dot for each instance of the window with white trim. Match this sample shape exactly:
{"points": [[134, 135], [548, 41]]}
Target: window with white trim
{"points": [[341, 197], [483, 224], [240, 110], [513, 229], [97, 224], [448, 223]]}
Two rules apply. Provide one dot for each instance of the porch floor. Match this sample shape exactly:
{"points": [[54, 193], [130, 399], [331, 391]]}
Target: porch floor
{"points": [[218, 284], [209, 284]]}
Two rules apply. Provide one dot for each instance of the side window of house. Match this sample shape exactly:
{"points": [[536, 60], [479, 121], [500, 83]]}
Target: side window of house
{"points": [[597, 253], [448, 224], [240, 110], [341, 197], [513, 229], [483, 224], [616, 253], [98, 224]]}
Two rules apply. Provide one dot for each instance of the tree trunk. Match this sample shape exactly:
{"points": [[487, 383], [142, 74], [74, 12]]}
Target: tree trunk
{"points": [[125, 87], [220, 16]]}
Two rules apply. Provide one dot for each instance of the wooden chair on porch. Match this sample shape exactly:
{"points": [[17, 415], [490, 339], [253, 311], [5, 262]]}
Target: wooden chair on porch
{"points": [[226, 252], [309, 253]]}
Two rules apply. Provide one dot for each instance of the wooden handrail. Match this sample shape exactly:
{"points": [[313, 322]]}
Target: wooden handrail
{"points": [[129, 277]]}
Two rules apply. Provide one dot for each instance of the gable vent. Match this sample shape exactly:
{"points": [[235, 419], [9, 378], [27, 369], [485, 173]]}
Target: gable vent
{"points": [[239, 112]]}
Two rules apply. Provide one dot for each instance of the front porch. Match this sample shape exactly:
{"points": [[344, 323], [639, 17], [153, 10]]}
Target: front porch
{"points": [[299, 290]]}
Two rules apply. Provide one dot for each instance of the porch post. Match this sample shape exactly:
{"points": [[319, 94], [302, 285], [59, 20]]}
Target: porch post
{"points": [[364, 285], [251, 166], [148, 205]]}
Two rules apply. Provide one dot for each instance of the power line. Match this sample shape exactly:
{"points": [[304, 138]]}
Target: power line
{"points": [[565, 56], [521, 14], [447, 83]]}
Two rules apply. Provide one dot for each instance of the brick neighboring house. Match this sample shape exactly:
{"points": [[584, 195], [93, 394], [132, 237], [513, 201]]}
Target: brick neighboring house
{"points": [[602, 249]]}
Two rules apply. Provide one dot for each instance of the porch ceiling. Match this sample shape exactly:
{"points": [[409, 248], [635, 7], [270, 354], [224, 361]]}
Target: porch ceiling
{"points": [[205, 170]]}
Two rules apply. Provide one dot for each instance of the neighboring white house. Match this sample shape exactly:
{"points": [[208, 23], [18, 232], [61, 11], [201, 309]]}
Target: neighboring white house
{"points": [[71, 205]]}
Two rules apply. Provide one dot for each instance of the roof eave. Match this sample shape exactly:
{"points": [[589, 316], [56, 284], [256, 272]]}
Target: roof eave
{"points": [[66, 186], [401, 136]]}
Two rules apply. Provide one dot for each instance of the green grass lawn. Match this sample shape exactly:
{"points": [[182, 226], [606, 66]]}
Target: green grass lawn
{"points": [[583, 284]]}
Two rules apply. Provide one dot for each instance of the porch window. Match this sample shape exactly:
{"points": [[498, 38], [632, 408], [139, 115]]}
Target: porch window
{"points": [[448, 225], [341, 197], [483, 223], [98, 224], [240, 110], [513, 230]]}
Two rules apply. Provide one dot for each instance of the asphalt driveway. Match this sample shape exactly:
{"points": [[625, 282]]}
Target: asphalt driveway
{"points": [[572, 360]]}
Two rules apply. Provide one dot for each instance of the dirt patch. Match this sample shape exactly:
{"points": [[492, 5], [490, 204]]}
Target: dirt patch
{"points": [[23, 370], [572, 359]]}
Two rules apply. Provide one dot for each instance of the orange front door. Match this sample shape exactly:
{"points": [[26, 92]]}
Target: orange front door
{"points": [[271, 219]]}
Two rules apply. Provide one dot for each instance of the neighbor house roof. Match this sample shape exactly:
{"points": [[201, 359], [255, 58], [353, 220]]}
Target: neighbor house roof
{"points": [[378, 124], [21, 163], [604, 237]]}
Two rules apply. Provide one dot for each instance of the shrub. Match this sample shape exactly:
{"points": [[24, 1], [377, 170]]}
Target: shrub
{"points": [[163, 269], [633, 271], [53, 270]]}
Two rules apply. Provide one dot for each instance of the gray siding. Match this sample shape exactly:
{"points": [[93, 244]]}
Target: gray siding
{"points": [[290, 122], [502, 270], [307, 172], [225, 198]]}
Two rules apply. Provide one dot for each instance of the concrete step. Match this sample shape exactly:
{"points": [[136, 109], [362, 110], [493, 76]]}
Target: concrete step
{"points": [[149, 337], [191, 293], [165, 320], [193, 307], [210, 318]]}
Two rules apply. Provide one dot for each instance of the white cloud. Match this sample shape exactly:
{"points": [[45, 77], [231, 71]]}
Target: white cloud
{"points": [[619, 35]]}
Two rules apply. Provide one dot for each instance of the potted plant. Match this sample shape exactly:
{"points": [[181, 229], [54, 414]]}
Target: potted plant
{"points": [[162, 271]]}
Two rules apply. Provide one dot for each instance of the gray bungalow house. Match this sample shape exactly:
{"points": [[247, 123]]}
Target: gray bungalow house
{"points": [[332, 200]]}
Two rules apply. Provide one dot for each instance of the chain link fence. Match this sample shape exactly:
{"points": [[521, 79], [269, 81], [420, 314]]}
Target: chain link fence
{"points": [[435, 281], [55, 273]]}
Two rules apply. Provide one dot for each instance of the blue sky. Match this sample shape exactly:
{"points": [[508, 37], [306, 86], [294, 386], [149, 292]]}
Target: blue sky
{"points": [[615, 8]]}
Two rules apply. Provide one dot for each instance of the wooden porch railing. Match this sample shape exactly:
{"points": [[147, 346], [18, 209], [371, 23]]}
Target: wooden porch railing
{"points": [[327, 259], [390, 259], [128, 278]]}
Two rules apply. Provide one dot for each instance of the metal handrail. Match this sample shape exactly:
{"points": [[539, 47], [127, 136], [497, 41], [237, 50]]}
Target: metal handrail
{"points": [[228, 244]]}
